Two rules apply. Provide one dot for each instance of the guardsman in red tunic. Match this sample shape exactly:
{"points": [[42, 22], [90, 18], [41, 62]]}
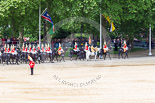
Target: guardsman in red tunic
{"points": [[26, 48], [86, 46], [8, 49], [23, 47], [31, 64], [42, 48], [48, 48], [105, 47], [5, 49], [12, 49], [125, 46], [29, 47], [38, 49], [60, 49], [75, 47], [34, 49]]}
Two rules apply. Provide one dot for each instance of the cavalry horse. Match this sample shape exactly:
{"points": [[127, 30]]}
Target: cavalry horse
{"points": [[105, 52], [90, 53], [57, 54], [121, 51], [79, 54], [0, 57]]}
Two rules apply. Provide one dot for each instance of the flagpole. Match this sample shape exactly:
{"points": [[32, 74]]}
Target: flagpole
{"points": [[150, 41], [40, 24], [43, 11], [100, 27]]}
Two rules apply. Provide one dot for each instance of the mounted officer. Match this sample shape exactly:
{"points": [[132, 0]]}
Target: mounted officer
{"points": [[75, 47], [86, 46], [105, 48], [125, 48], [60, 50]]}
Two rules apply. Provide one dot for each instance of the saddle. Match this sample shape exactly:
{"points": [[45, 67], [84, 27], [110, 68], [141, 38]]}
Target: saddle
{"points": [[59, 52]]}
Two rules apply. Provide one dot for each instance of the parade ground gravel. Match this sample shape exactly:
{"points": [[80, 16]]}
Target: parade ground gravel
{"points": [[102, 81]]}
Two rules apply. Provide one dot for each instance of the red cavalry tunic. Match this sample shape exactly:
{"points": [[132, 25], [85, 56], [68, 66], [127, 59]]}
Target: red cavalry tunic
{"points": [[24, 49], [38, 49], [48, 48], [86, 47], [75, 47], [5, 49], [105, 46], [30, 50], [59, 49], [8, 50], [31, 64], [12, 50], [124, 46], [34, 50], [42, 49]]}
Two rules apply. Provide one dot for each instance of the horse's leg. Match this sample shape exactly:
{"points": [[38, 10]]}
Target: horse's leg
{"points": [[105, 54], [57, 58], [127, 55], [76, 57], [71, 57], [63, 58], [109, 56], [122, 55]]}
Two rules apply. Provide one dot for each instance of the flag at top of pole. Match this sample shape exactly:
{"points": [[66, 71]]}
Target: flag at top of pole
{"points": [[112, 28], [47, 17]]}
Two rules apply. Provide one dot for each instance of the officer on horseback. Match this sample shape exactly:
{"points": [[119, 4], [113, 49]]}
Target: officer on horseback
{"points": [[105, 48], [86, 46], [75, 47], [60, 50], [125, 48]]}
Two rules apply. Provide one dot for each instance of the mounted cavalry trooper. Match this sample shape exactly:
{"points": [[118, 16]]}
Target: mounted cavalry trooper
{"points": [[30, 48], [48, 48], [42, 48], [125, 48], [92, 49], [75, 47], [8, 49], [60, 50], [26, 49], [38, 48], [105, 48], [8, 54], [5, 49], [23, 48], [86, 46], [12, 49], [34, 50]]}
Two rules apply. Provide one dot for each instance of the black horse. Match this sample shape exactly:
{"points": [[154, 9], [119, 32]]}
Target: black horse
{"points": [[105, 53], [121, 52], [72, 53], [0, 56], [56, 55], [79, 54]]}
